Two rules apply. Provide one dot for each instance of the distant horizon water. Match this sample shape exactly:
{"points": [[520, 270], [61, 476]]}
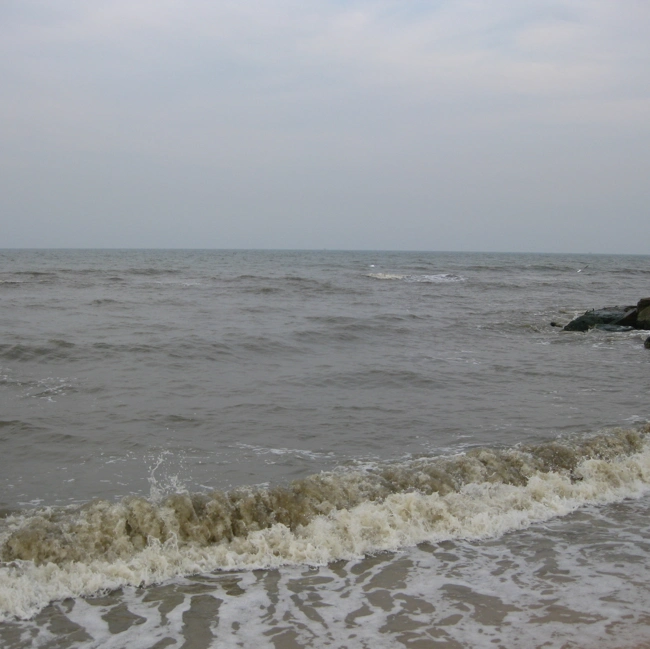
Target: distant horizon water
{"points": [[333, 250]]}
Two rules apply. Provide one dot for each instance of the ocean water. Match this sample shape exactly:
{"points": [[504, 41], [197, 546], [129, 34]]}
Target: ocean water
{"points": [[321, 449]]}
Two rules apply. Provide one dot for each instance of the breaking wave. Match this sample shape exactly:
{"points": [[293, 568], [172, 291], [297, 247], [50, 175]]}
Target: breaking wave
{"points": [[428, 279], [54, 553]]}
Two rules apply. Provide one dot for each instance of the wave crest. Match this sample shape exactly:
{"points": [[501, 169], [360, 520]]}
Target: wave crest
{"points": [[61, 552], [427, 279]]}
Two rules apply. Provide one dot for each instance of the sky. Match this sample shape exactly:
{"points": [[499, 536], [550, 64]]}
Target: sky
{"points": [[470, 125]]}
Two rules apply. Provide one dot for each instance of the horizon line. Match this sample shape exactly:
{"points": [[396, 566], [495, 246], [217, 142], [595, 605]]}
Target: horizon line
{"points": [[357, 250]]}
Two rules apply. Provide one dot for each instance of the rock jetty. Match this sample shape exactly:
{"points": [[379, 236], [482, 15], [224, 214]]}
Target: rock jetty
{"points": [[614, 318]]}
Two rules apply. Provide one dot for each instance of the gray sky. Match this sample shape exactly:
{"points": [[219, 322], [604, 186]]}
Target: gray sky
{"points": [[507, 125]]}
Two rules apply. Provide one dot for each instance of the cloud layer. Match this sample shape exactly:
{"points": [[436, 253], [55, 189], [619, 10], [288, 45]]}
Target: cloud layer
{"points": [[458, 125]]}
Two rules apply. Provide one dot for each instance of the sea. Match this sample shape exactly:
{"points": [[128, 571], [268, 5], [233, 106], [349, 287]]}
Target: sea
{"points": [[321, 449]]}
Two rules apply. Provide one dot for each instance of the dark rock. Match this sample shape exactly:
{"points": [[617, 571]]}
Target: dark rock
{"points": [[636, 317], [612, 315], [643, 314], [629, 320], [646, 344]]}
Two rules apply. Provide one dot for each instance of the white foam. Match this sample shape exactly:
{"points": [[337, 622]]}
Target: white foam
{"points": [[391, 276], [266, 450], [437, 279], [477, 511], [430, 279]]}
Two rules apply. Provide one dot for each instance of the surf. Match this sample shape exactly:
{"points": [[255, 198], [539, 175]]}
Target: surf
{"points": [[57, 552]]}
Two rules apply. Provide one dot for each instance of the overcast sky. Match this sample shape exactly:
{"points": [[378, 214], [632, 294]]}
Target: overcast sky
{"points": [[496, 125]]}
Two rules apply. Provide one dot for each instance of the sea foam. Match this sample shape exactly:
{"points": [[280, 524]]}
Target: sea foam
{"points": [[55, 553]]}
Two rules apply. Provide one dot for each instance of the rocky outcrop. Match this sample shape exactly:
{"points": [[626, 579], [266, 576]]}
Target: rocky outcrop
{"points": [[614, 318], [643, 314]]}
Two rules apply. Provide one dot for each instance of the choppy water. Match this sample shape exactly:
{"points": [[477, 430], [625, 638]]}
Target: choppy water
{"points": [[320, 449]]}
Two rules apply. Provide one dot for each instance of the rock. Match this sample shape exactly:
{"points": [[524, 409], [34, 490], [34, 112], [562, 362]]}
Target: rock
{"points": [[628, 319], [646, 344], [612, 315], [643, 314]]}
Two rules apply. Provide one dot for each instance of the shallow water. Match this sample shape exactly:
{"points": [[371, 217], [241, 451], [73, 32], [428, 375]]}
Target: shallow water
{"points": [[427, 386]]}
